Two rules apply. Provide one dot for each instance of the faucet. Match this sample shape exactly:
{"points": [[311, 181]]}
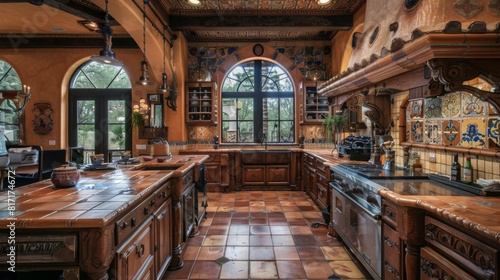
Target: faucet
{"points": [[263, 141]]}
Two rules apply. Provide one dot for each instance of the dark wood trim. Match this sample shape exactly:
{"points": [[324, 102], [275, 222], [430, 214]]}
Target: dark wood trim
{"points": [[253, 23]]}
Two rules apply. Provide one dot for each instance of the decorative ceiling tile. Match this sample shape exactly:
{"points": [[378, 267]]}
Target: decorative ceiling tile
{"points": [[467, 8]]}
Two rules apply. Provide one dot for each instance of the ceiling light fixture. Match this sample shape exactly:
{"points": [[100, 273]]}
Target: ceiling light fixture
{"points": [[194, 2], [144, 79], [324, 2], [106, 55]]}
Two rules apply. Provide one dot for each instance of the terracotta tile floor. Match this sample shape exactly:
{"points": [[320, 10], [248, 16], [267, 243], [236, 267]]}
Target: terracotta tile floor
{"points": [[264, 235]]}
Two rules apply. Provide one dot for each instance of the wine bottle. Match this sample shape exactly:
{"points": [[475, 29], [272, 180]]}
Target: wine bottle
{"points": [[455, 169], [468, 171]]}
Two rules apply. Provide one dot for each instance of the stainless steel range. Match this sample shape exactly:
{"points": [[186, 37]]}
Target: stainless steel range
{"points": [[356, 206]]}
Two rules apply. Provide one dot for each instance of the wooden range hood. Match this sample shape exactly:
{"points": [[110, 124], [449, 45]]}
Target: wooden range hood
{"points": [[436, 63]]}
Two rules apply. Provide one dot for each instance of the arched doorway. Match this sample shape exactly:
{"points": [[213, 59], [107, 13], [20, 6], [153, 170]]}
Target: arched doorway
{"points": [[100, 99]]}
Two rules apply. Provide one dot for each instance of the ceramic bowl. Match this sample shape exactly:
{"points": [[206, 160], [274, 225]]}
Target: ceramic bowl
{"points": [[160, 159], [147, 158], [4, 161], [65, 177]]}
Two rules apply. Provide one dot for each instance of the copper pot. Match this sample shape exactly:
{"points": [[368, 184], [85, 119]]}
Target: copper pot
{"points": [[65, 177]]}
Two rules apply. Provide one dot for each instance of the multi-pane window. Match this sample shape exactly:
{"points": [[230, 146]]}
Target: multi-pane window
{"points": [[9, 115], [257, 104]]}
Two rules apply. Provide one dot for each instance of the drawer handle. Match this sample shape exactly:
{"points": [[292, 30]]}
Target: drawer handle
{"points": [[151, 203], [124, 225], [390, 243], [133, 222], [140, 251], [391, 269], [389, 213], [164, 193], [146, 210]]}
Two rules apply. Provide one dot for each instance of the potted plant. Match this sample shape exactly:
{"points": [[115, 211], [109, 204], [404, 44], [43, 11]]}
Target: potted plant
{"points": [[137, 119], [334, 125]]}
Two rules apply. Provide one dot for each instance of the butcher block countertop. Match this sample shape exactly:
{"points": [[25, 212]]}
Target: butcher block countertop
{"points": [[98, 198]]}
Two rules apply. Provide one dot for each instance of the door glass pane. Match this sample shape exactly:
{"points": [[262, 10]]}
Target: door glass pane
{"points": [[85, 124], [116, 125], [86, 137], [86, 111]]}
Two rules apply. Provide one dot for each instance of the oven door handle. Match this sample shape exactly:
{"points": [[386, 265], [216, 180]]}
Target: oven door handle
{"points": [[371, 214]]}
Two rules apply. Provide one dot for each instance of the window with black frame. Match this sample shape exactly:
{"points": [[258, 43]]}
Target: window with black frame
{"points": [[9, 116], [258, 104]]}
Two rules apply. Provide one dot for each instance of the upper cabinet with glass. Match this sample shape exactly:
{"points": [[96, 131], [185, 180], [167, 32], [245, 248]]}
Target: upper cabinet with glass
{"points": [[201, 104], [315, 106]]}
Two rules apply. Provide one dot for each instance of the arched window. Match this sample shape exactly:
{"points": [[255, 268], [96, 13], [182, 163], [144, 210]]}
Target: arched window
{"points": [[257, 104], [100, 99], [9, 117]]}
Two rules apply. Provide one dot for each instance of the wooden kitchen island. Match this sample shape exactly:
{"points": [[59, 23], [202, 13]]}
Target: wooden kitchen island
{"points": [[115, 224]]}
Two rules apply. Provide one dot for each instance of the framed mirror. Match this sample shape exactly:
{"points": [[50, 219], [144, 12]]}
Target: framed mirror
{"points": [[155, 102]]}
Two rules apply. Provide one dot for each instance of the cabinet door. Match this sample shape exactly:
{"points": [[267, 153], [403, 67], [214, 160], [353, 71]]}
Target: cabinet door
{"points": [[254, 175], [277, 175], [163, 237], [135, 256], [213, 174], [200, 105]]}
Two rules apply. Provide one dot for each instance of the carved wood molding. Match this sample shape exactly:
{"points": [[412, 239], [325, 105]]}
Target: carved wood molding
{"points": [[466, 249], [451, 74], [355, 102], [97, 247], [433, 270], [375, 115]]}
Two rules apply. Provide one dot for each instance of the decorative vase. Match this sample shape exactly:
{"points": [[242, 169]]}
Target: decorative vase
{"points": [[65, 177]]}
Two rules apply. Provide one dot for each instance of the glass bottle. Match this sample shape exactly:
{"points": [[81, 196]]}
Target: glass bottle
{"points": [[468, 171], [417, 166], [456, 171]]}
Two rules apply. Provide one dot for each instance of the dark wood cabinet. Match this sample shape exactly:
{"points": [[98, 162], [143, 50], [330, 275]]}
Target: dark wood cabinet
{"points": [[201, 104], [163, 237], [314, 108], [218, 170], [261, 169], [315, 179]]}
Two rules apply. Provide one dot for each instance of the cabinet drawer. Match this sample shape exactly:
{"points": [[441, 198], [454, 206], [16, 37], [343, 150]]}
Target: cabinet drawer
{"points": [[321, 180], [320, 166], [278, 157], [187, 179], [389, 213], [134, 218], [463, 250], [392, 253], [136, 254], [435, 266], [213, 158]]}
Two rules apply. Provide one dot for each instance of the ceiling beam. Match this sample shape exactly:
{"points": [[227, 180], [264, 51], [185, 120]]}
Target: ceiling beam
{"points": [[261, 23]]}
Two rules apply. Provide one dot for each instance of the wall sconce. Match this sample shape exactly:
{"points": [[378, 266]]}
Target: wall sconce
{"points": [[143, 109]]}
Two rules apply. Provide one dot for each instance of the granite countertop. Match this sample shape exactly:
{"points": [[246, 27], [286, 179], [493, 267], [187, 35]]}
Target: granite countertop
{"points": [[95, 201]]}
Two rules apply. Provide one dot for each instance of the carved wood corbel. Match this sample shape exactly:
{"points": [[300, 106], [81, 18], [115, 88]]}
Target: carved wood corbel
{"points": [[453, 73], [375, 115]]}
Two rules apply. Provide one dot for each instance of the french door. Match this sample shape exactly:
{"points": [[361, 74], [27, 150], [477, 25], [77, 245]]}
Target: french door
{"points": [[99, 121]]}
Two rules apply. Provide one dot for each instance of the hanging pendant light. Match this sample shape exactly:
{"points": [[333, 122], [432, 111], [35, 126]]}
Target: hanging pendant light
{"points": [[106, 55], [144, 79]]}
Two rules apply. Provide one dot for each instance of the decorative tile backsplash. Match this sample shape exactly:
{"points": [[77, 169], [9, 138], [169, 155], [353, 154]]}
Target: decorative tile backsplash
{"points": [[455, 119]]}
